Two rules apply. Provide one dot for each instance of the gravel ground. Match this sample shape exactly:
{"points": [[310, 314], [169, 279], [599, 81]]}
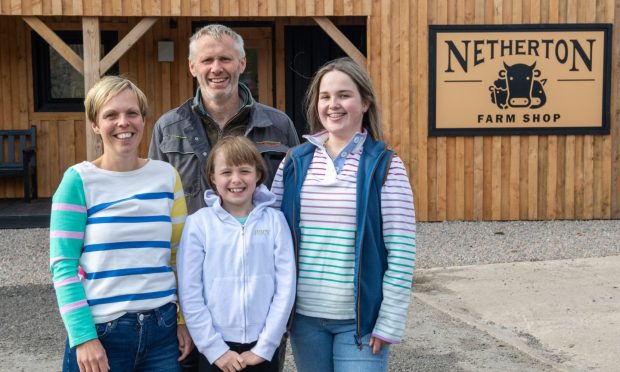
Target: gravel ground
{"points": [[33, 336]]}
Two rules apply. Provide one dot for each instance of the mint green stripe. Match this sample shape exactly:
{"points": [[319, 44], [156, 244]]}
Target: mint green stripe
{"points": [[325, 272], [328, 236], [326, 228], [324, 279], [325, 265], [328, 244], [399, 264], [400, 243], [400, 272], [396, 285], [327, 258], [326, 251], [401, 250], [397, 278], [399, 236]]}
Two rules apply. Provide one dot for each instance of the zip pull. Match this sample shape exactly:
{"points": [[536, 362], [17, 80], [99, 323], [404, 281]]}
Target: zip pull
{"points": [[358, 341]]}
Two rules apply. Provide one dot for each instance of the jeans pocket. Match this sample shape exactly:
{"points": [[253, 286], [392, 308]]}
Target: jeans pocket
{"points": [[104, 329], [167, 316]]}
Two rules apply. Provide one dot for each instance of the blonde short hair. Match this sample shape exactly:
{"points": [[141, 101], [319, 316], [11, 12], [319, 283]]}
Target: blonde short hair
{"points": [[107, 88], [237, 150]]}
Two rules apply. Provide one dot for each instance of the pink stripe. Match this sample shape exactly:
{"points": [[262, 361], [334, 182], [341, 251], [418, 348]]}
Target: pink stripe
{"points": [[68, 207], [61, 283], [66, 234], [73, 306]]}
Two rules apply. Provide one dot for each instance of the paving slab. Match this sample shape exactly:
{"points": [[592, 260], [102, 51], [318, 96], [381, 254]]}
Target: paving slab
{"points": [[565, 313]]}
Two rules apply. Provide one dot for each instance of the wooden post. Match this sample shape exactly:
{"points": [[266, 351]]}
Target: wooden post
{"points": [[92, 47]]}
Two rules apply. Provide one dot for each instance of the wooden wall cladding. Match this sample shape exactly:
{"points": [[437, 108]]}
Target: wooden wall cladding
{"points": [[186, 8], [454, 178]]}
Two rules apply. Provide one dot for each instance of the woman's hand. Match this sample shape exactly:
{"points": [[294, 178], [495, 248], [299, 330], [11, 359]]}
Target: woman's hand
{"points": [[91, 357], [185, 341], [251, 359], [230, 362], [376, 344]]}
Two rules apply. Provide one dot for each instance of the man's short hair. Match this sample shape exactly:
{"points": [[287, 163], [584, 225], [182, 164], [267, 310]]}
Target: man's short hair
{"points": [[216, 31]]}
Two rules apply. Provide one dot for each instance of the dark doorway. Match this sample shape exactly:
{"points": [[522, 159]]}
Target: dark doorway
{"points": [[307, 49]]}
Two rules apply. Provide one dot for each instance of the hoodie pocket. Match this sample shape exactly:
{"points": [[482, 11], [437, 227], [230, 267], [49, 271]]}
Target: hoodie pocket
{"points": [[225, 302]]}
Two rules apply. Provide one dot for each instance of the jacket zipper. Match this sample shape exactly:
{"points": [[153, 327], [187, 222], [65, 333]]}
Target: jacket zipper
{"points": [[245, 310], [295, 243], [359, 271]]}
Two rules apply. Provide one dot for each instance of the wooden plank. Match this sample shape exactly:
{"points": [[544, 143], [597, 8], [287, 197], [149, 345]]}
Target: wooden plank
{"points": [[505, 180], [421, 96], [597, 177], [570, 178], [532, 187], [552, 177], [487, 178], [56, 42], [126, 43], [514, 178], [43, 159], [606, 177], [542, 172], [496, 179], [341, 40], [91, 36], [588, 177]]}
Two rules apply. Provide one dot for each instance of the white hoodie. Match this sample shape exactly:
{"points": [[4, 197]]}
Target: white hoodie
{"points": [[236, 282]]}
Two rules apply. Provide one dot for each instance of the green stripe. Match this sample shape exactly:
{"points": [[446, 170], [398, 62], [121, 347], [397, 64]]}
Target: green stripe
{"points": [[400, 272], [399, 264], [326, 243], [325, 272], [396, 285], [327, 236], [324, 279], [325, 250], [327, 258], [399, 236], [325, 265], [326, 228], [401, 250], [400, 243], [397, 278]]}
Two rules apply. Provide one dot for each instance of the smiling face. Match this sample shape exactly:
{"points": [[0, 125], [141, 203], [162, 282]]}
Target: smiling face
{"points": [[216, 65], [340, 106], [120, 125], [235, 184]]}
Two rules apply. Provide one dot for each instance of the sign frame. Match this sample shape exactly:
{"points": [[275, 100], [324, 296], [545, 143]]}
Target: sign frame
{"points": [[603, 129]]}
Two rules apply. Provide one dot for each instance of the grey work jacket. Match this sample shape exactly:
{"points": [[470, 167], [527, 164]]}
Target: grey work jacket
{"points": [[179, 138]]}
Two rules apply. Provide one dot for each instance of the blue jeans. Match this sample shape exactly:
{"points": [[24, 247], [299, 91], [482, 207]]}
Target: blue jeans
{"points": [[144, 341], [329, 345]]}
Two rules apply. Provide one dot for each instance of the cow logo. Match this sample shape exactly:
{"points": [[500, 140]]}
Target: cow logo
{"points": [[518, 86]]}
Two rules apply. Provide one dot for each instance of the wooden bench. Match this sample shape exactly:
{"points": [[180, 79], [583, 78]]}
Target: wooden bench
{"points": [[18, 158]]}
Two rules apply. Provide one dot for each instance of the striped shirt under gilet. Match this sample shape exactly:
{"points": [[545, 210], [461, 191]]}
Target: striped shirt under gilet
{"points": [[327, 243], [122, 228]]}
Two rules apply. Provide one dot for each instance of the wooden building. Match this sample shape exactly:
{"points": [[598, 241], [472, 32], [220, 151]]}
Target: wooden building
{"points": [[528, 177]]}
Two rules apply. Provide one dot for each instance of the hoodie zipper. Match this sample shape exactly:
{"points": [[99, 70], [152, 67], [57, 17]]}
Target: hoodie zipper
{"points": [[358, 337], [245, 310]]}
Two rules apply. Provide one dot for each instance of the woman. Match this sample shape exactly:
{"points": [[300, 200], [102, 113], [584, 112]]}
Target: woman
{"points": [[349, 204], [118, 220]]}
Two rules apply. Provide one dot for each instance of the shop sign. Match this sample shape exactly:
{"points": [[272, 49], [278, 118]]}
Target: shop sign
{"points": [[519, 79]]}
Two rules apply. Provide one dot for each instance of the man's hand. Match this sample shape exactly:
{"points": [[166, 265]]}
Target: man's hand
{"points": [[185, 341], [377, 344], [91, 357], [230, 362], [251, 359]]}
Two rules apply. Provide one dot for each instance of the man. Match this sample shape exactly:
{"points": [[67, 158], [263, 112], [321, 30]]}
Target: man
{"points": [[221, 106]]}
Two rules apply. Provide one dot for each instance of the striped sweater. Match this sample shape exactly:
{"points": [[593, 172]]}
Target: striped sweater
{"points": [[327, 243], [122, 229]]}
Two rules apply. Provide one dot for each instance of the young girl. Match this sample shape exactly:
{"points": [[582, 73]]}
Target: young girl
{"points": [[348, 201], [236, 265]]}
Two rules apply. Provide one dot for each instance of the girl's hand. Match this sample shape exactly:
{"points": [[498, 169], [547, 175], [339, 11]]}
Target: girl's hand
{"points": [[185, 341], [251, 359], [230, 362], [91, 357], [377, 344]]}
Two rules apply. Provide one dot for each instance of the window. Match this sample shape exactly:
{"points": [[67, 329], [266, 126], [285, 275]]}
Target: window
{"points": [[57, 86]]}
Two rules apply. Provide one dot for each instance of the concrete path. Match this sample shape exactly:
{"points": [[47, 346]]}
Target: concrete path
{"points": [[564, 313]]}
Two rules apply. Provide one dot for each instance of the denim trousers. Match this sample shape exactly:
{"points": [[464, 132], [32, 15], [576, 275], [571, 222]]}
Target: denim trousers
{"points": [[142, 341], [329, 345], [271, 366]]}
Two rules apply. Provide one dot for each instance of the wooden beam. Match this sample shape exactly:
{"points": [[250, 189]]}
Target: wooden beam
{"points": [[56, 42], [342, 41], [92, 45], [124, 45]]}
